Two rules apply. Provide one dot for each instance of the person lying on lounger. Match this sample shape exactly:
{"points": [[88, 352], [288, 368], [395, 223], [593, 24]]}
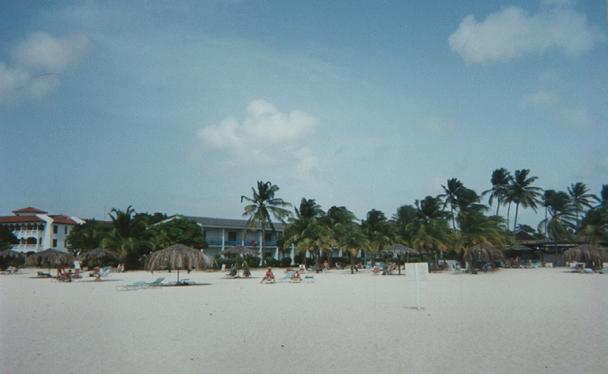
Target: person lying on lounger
{"points": [[295, 277], [233, 272], [268, 277]]}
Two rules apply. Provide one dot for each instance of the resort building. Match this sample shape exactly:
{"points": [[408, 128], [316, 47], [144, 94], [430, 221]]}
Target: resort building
{"points": [[36, 230], [222, 233]]}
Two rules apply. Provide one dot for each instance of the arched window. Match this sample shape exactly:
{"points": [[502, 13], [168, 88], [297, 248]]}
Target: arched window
{"points": [[31, 240]]}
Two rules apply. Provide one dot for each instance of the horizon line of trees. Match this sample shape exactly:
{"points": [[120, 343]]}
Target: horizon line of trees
{"points": [[454, 221]]}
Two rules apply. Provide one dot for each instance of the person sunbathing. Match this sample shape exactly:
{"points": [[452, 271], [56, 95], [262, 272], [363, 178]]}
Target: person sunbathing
{"points": [[268, 277], [233, 271], [295, 277]]}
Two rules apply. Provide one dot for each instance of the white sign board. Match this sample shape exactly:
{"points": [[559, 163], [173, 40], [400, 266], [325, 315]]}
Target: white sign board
{"points": [[417, 271]]}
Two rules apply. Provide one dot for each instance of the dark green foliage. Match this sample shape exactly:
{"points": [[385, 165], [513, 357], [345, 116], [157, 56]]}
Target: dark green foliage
{"points": [[7, 238], [88, 235], [176, 231]]}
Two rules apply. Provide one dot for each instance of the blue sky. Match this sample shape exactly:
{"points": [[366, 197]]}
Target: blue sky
{"points": [[182, 106]]}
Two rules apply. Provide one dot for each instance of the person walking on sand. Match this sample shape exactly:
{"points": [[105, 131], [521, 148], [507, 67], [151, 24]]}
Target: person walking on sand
{"points": [[268, 277]]}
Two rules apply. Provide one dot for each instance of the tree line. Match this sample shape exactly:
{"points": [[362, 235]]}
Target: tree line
{"points": [[452, 222]]}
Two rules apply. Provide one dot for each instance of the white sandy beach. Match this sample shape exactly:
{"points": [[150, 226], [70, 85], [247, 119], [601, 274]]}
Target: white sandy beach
{"points": [[511, 321]]}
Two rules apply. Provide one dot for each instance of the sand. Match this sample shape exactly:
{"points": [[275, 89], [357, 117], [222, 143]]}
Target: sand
{"points": [[532, 321]]}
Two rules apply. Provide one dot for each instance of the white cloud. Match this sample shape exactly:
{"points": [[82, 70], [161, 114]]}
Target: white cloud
{"points": [[512, 32], [540, 98], [36, 63], [266, 136], [41, 51], [569, 116], [438, 124], [577, 117]]}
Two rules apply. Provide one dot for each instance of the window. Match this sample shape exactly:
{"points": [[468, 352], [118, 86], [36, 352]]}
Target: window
{"points": [[232, 236], [55, 242], [66, 230], [267, 236], [55, 227]]}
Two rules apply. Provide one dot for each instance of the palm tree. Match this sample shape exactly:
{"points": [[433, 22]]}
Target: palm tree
{"points": [[347, 233], [581, 198], [263, 206], [500, 181], [377, 230], [450, 196], [308, 211], [87, 236], [604, 196], [561, 220], [522, 192], [401, 220], [595, 225], [430, 230], [128, 235], [476, 229]]}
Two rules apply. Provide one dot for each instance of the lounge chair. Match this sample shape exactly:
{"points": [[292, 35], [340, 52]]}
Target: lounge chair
{"points": [[103, 273], [42, 274], [141, 284]]}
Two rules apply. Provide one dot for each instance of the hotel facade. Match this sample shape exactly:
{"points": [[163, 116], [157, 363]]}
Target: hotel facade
{"points": [[37, 230], [222, 233]]}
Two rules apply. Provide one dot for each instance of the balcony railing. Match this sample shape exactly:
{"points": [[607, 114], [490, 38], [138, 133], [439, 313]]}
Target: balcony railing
{"points": [[232, 243]]}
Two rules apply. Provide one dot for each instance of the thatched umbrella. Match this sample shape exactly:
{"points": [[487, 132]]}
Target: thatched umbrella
{"points": [[399, 250], [483, 252], [239, 250], [586, 253], [178, 257], [100, 254], [9, 253], [52, 257]]}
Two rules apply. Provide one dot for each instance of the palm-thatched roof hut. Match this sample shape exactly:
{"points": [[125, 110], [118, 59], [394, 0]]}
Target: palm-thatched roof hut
{"points": [[483, 252], [399, 250], [178, 257], [239, 250], [587, 253], [50, 256], [99, 254], [9, 253]]}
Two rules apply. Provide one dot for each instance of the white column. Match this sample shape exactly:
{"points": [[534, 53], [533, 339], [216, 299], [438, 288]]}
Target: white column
{"points": [[223, 238], [261, 250], [292, 254]]}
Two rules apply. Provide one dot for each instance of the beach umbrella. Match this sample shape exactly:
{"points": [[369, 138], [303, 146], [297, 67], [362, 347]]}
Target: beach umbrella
{"points": [[586, 253], [9, 253], [239, 250], [485, 252], [178, 257], [51, 257], [100, 254], [400, 250]]}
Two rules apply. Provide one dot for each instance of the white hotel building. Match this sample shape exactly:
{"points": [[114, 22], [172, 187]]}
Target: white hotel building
{"points": [[36, 230]]}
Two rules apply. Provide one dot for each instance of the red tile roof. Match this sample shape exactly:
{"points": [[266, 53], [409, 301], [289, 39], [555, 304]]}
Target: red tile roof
{"points": [[20, 219], [64, 220], [30, 209]]}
